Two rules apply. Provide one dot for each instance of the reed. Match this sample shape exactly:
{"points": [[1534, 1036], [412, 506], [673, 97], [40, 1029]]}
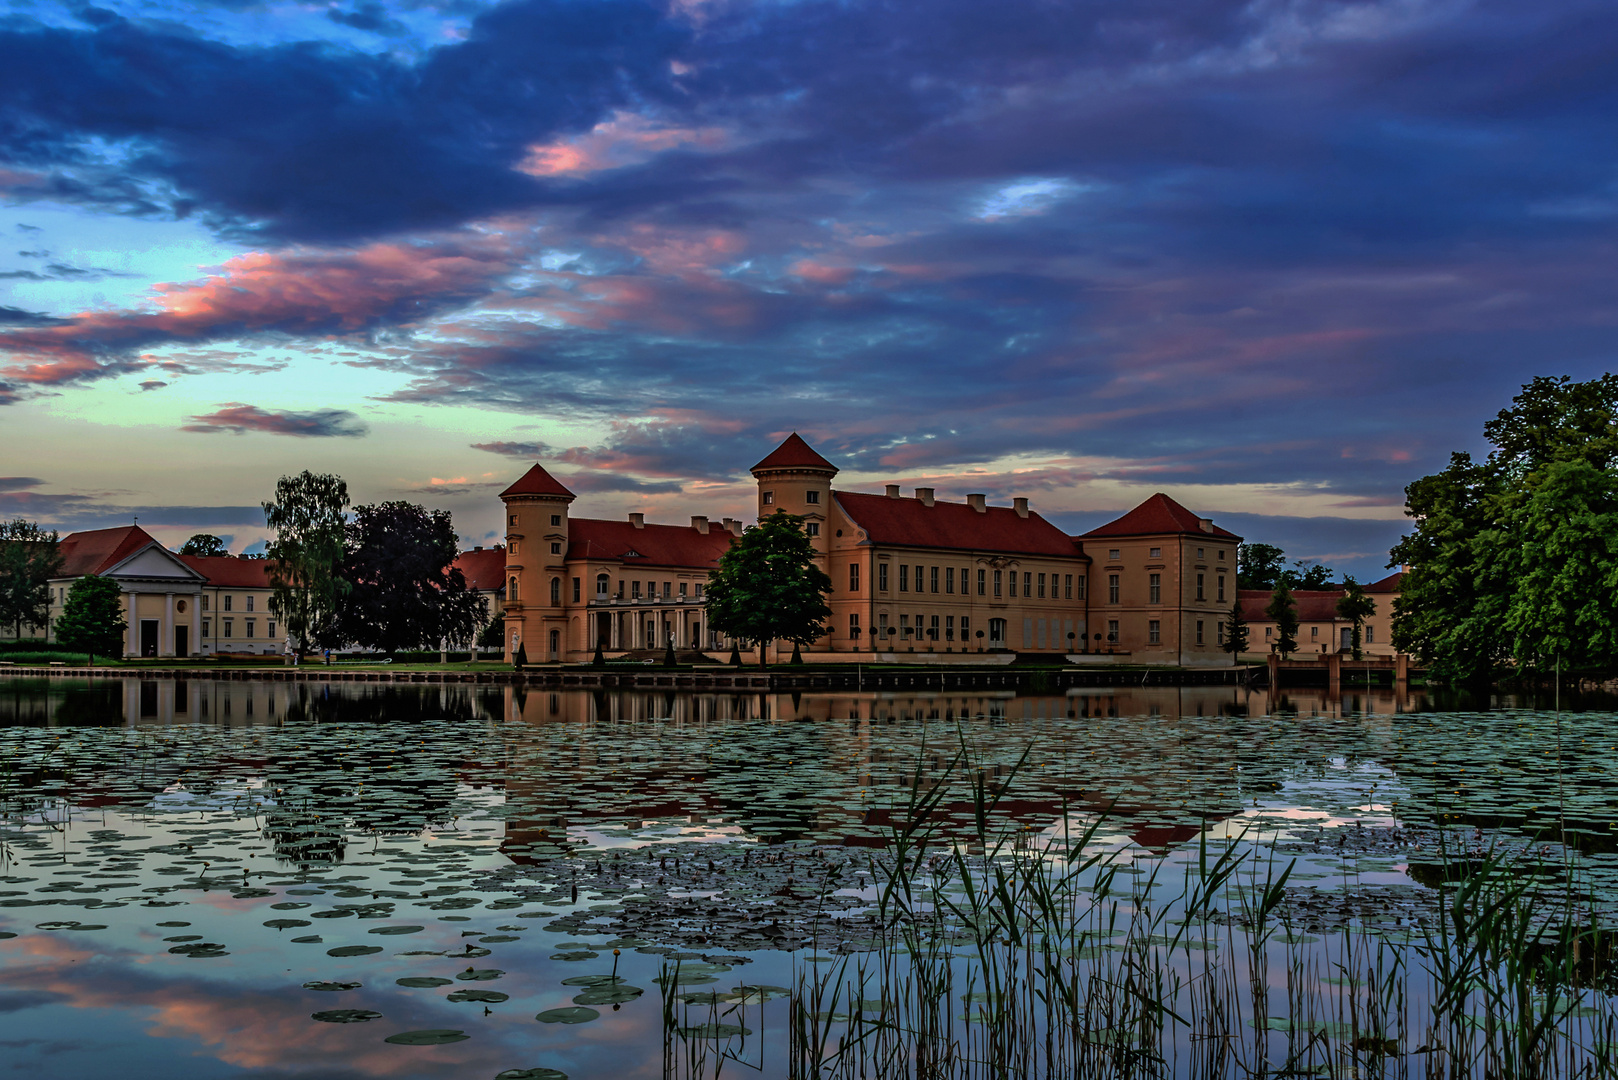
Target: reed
{"points": [[996, 957]]}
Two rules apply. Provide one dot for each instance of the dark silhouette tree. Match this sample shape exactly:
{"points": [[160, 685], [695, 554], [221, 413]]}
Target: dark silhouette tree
{"points": [[1284, 613], [1356, 607], [405, 591], [29, 558], [306, 555], [204, 544]]}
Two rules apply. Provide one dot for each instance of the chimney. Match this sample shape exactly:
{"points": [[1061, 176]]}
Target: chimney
{"points": [[478, 548], [893, 491], [638, 520], [925, 495], [736, 526], [699, 522], [979, 502], [726, 524], [1020, 505], [1205, 524]]}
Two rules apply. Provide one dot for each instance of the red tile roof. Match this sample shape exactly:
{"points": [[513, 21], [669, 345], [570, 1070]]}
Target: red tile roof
{"points": [[537, 481], [98, 550], [484, 570], [1391, 584], [1160, 516], [794, 453], [229, 572], [653, 545], [1313, 605], [912, 523]]}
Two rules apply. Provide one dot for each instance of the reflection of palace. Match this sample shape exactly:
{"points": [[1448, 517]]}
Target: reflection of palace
{"points": [[917, 578]]}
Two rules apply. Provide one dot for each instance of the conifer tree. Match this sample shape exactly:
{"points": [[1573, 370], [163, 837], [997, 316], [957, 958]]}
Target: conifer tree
{"points": [[1284, 613]]}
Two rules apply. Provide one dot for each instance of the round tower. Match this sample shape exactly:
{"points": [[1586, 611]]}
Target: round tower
{"points": [[794, 479], [536, 547]]}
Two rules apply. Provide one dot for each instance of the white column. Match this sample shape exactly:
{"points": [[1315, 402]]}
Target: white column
{"points": [[166, 642], [196, 624], [132, 621]]}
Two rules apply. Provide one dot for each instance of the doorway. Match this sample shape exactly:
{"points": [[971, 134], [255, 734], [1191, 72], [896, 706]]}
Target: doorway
{"points": [[148, 637], [556, 646], [182, 641]]}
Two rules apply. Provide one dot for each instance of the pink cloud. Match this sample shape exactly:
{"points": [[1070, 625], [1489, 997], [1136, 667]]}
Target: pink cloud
{"points": [[626, 139]]}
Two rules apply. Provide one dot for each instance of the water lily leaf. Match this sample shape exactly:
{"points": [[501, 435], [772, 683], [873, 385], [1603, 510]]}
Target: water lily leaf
{"points": [[311, 939], [395, 930], [531, 1074], [575, 955], [573, 1015], [608, 995], [354, 950], [479, 974], [322, 985], [477, 995], [428, 1037], [346, 1016], [422, 982], [285, 924], [714, 1031]]}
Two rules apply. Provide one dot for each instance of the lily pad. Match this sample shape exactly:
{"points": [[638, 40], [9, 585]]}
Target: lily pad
{"points": [[574, 1015], [354, 950], [345, 1016], [422, 982], [608, 995], [395, 930], [479, 974], [285, 924], [531, 1074], [491, 996], [428, 1037], [322, 985], [576, 954]]}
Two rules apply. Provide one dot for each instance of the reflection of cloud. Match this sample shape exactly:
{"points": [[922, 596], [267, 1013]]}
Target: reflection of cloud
{"points": [[240, 419]]}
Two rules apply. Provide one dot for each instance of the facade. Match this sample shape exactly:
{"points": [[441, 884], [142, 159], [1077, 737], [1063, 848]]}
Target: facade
{"points": [[485, 573], [174, 605], [913, 577], [1320, 628]]}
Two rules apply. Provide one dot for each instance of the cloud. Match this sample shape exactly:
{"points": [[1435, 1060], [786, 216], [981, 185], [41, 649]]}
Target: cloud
{"points": [[17, 483], [515, 449], [10, 316], [152, 384], [239, 419]]}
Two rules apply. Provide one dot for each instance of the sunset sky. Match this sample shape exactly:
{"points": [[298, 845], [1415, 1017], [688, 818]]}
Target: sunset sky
{"points": [[1276, 258]]}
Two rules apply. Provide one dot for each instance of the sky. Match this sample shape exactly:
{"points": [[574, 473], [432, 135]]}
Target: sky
{"points": [[1276, 258]]}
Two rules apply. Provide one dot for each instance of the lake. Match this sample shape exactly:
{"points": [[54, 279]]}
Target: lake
{"points": [[235, 879]]}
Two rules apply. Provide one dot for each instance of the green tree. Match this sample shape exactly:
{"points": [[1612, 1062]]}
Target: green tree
{"points": [[1284, 613], [1235, 630], [768, 588], [92, 618], [306, 555], [1356, 607], [29, 558], [204, 544], [406, 592], [1259, 566], [1309, 575]]}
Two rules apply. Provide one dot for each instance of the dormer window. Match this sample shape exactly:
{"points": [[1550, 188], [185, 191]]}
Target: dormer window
{"points": [[811, 496], [768, 498]]}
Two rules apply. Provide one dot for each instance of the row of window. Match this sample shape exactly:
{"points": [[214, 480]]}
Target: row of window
{"points": [[1002, 582], [228, 601], [1154, 588], [810, 497], [1157, 553], [227, 628], [1314, 633], [925, 628], [604, 586]]}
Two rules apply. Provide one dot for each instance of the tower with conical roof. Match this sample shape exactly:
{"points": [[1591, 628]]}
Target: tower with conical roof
{"points": [[536, 509], [794, 479]]}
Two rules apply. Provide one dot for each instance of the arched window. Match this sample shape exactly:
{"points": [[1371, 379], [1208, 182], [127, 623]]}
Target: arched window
{"points": [[602, 584], [556, 591], [511, 592]]}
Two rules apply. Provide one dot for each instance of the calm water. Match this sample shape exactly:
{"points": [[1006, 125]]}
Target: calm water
{"points": [[205, 879]]}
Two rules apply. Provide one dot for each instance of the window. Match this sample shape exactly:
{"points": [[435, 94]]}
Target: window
{"points": [[934, 579], [812, 528], [556, 548], [965, 588], [811, 497], [512, 594], [207, 628], [1155, 553], [882, 576], [904, 626], [996, 584], [1199, 587], [556, 591], [932, 628], [904, 577], [1112, 631], [853, 577], [1268, 630], [1221, 585], [1370, 633], [981, 575], [966, 626], [206, 605], [1042, 586], [699, 590], [228, 599], [1112, 588], [682, 590], [1027, 583], [513, 547], [997, 630], [854, 626], [949, 628], [1199, 631], [949, 579], [1083, 587], [514, 519], [1200, 555], [1220, 632], [668, 590], [252, 630], [556, 520], [919, 587], [1154, 588], [768, 498], [1012, 584], [230, 627], [577, 584], [1067, 586], [603, 584], [1112, 554], [269, 629], [1221, 554], [1154, 632], [634, 590], [250, 605], [1314, 631]]}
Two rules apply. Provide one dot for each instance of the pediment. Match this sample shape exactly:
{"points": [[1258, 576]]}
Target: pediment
{"points": [[154, 561]]}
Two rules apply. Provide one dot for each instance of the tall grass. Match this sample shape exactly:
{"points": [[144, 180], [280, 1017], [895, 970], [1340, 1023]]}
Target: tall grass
{"points": [[996, 957]]}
